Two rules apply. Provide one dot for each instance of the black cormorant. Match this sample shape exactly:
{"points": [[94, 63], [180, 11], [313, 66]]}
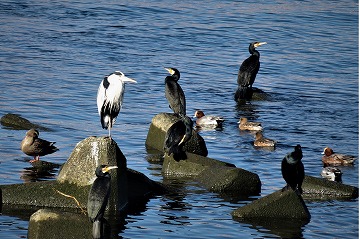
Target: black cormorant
{"points": [[174, 93], [292, 169], [98, 198], [176, 136], [247, 72], [32, 145], [110, 97]]}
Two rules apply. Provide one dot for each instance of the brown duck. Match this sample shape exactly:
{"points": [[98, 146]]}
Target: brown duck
{"points": [[32, 145], [333, 159]]}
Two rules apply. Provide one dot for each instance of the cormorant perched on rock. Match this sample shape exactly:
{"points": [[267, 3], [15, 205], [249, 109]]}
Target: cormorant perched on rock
{"points": [[110, 97], [292, 169], [174, 93], [98, 198], [176, 136], [32, 145], [247, 73]]}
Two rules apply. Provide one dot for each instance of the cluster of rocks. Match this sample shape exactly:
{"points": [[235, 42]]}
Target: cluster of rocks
{"points": [[132, 189]]}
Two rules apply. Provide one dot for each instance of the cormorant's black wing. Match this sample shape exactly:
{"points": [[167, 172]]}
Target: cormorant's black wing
{"points": [[175, 96], [98, 198], [248, 70]]}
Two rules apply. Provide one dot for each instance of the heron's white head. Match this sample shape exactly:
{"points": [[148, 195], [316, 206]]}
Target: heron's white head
{"points": [[123, 77]]}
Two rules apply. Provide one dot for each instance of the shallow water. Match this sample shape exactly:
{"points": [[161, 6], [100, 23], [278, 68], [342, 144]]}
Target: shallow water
{"points": [[54, 55]]}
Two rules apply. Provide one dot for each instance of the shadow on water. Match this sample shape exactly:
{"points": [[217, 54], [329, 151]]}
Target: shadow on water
{"points": [[284, 228]]}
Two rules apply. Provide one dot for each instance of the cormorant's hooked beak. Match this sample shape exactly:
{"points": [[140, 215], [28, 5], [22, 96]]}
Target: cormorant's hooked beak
{"points": [[108, 168], [259, 44], [171, 71]]}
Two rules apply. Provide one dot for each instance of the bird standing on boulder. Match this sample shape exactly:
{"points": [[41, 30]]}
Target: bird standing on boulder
{"points": [[292, 169], [32, 145], [174, 93], [176, 136], [247, 72], [110, 98], [98, 198]]}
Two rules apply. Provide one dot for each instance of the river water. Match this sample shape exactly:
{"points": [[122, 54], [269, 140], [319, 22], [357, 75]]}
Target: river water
{"points": [[53, 55]]}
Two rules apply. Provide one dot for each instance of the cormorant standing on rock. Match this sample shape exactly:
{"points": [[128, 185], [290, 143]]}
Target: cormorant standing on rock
{"points": [[174, 93], [98, 198], [247, 73], [110, 98], [292, 169], [176, 136]]}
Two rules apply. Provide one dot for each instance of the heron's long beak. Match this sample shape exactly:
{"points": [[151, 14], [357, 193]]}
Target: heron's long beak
{"points": [[127, 79], [107, 169]]}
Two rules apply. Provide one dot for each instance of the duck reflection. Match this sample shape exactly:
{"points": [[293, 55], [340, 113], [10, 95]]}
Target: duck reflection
{"points": [[40, 171]]}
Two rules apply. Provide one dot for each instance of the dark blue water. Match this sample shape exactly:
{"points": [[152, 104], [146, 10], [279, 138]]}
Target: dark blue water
{"points": [[53, 55]]}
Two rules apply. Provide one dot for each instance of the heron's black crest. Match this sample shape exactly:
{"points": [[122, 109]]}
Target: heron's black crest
{"points": [[106, 82]]}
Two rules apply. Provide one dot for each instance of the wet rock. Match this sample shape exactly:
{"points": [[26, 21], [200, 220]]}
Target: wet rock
{"points": [[287, 204], [320, 188], [16, 122], [157, 131], [214, 175], [46, 223], [75, 179]]}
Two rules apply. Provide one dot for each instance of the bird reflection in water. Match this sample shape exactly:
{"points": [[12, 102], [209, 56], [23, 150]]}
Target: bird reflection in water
{"points": [[40, 171]]}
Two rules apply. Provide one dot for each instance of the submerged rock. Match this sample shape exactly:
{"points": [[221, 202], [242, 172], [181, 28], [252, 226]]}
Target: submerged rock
{"points": [[16, 122]]}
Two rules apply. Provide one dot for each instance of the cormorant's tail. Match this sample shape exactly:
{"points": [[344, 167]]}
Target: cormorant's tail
{"points": [[243, 93]]}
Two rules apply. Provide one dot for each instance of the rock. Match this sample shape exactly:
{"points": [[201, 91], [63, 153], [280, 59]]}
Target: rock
{"points": [[214, 175], [46, 223], [157, 131], [87, 155], [320, 188], [286, 205], [76, 176], [15, 121]]}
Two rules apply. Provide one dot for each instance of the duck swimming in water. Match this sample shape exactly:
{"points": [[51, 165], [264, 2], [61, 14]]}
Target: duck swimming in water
{"points": [[245, 125], [331, 174], [32, 145], [293, 170], [209, 121], [261, 141], [332, 159]]}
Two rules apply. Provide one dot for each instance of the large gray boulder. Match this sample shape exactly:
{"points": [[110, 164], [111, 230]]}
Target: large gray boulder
{"points": [[76, 176], [286, 205]]}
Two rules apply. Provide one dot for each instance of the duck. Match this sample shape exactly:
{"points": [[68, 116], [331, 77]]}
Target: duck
{"points": [[209, 121], [261, 141], [32, 145], [245, 125], [332, 159], [331, 174]]}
